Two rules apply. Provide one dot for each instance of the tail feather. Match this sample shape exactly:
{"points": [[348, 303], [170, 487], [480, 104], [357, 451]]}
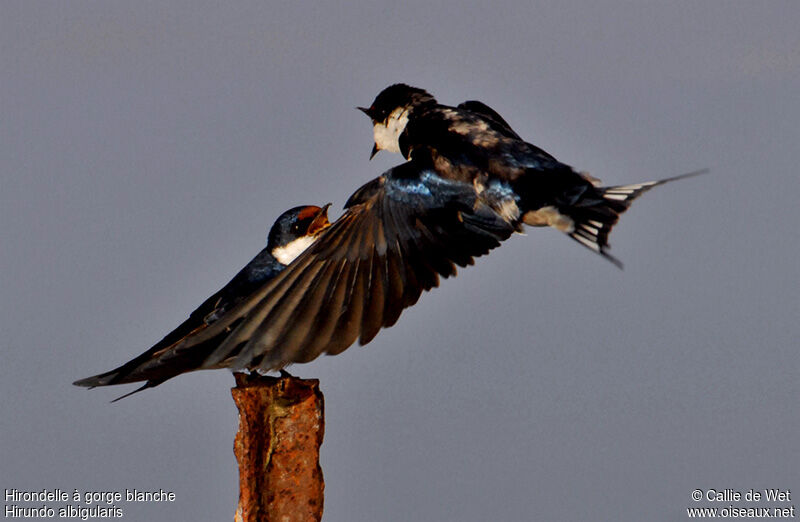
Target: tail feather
{"points": [[155, 366], [593, 218], [148, 384], [113, 377]]}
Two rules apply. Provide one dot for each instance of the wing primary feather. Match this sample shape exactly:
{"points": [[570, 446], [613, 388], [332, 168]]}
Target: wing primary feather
{"points": [[397, 290], [319, 337], [271, 315], [419, 275], [346, 330], [304, 327], [330, 242], [326, 333], [448, 227], [278, 337], [433, 253], [398, 267], [257, 313], [349, 321], [372, 318]]}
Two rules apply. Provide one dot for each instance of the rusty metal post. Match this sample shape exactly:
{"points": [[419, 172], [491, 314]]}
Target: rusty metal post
{"points": [[281, 424]]}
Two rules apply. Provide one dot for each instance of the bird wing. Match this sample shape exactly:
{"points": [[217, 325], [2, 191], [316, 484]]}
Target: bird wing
{"points": [[398, 234], [500, 125]]}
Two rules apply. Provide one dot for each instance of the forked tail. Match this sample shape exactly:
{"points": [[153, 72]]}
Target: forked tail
{"points": [[593, 217]]}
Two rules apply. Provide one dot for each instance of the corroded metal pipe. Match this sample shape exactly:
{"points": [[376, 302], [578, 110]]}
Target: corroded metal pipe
{"points": [[281, 425]]}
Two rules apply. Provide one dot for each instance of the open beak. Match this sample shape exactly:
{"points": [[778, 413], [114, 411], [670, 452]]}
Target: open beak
{"points": [[320, 221]]}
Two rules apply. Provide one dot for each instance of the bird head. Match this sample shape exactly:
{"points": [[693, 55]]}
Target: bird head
{"points": [[390, 112], [295, 230]]}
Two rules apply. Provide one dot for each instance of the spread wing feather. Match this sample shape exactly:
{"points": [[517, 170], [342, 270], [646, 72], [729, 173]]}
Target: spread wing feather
{"points": [[398, 234]]}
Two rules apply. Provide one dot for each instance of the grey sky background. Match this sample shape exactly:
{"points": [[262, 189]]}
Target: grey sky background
{"points": [[146, 148]]}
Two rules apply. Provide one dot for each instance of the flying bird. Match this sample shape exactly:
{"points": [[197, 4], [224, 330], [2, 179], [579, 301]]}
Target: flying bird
{"points": [[471, 143], [293, 232]]}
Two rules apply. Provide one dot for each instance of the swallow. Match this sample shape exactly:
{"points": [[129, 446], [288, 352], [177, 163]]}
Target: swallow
{"points": [[472, 143], [294, 231]]}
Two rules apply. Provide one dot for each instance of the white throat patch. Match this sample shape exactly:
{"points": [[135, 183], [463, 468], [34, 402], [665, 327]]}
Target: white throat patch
{"points": [[387, 135], [287, 253]]}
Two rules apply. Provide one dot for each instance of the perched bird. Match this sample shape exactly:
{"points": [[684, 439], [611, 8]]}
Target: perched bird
{"points": [[473, 144], [292, 233]]}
